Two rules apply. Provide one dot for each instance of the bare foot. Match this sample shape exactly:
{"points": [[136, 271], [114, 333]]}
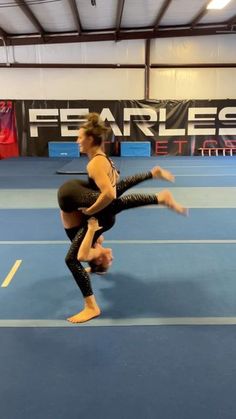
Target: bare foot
{"points": [[159, 173], [166, 198], [90, 311], [85, 315]]}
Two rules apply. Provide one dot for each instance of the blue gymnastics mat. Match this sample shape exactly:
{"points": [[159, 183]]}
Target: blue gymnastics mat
{"points": [[129, 165], [78, 166], [74, 167]]}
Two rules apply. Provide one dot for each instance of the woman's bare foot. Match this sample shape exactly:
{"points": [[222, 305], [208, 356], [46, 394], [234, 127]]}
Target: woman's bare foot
{"points": [[166, 198], [84, 316], [159, 173], [90, 311]]}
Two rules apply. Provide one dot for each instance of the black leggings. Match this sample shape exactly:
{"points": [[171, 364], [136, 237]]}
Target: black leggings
{"points": [[106, 219]]}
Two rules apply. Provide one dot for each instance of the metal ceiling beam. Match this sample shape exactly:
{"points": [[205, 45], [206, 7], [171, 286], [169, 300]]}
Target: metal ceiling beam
{"points": [[200, 15], [120, 9], [161, 13], [146, 28], [27, 11], [195, 65], [76, 16], [59, 65], [112, 36], [117, 66], [147, 70], [216, 26]]}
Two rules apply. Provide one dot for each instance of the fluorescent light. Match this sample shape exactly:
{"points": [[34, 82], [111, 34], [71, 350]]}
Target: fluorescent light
{"points": [[217, 4]]}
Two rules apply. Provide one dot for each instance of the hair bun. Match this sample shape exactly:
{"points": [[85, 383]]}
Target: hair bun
{"points": [[95, 127], [94, 119]]}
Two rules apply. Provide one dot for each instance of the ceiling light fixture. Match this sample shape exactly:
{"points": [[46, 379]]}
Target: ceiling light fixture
{"points": [[218, 4]]}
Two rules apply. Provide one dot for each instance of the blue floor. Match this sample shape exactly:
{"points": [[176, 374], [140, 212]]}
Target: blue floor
{"points": [[38, 172], [202, 224], [122, 372], [170, 287], [166, 267]]}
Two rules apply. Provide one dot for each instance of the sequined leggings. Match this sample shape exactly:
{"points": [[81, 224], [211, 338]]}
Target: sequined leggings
{"points": [[106, 219]]}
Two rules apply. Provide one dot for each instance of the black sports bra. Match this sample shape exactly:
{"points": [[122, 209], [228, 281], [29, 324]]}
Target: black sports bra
{"points": [[115, 173]]}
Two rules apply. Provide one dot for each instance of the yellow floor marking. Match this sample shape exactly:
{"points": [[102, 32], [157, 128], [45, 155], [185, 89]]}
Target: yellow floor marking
{"points": [[12, 272]]}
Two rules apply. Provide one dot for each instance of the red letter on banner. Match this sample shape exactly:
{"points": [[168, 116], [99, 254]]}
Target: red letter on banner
{"points": [[180, 142], [161, 145]]}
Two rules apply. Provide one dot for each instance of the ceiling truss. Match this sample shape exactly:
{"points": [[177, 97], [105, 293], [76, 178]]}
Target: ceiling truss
{"points": [[193, 28]]}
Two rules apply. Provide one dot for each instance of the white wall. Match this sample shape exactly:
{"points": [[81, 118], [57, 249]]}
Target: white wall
{"points": [[94, 84], [198, 49], [196, 83], [66, 83]]}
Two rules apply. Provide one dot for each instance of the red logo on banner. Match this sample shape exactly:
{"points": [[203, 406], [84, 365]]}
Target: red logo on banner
{"points": [[7, 123], [8, 137]]}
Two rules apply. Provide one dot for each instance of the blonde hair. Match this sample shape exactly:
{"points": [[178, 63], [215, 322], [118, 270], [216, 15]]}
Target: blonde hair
{"points": [[95, 128]]}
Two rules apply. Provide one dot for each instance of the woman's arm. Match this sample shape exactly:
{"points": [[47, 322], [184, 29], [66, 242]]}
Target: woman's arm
{"points": [[98, 170], [86, 252]]}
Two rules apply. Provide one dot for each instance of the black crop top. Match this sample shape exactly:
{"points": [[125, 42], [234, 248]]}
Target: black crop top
{"points": [[115, 173]]}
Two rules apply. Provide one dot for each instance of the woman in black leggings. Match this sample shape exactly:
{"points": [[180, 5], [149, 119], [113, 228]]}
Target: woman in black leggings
{"points": [[98, 196], [74, 194]]}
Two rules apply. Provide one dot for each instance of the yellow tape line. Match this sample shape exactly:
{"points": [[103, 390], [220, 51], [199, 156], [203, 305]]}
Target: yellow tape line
{"points": [[12, 272]]}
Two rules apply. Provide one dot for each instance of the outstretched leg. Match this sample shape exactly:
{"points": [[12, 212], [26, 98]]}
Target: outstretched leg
{"points": [[155, 173], [130, 201], [106, 217]]}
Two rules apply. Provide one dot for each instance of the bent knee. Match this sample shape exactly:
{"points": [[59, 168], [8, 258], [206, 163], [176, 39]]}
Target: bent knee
{"points": [[70, 260]]}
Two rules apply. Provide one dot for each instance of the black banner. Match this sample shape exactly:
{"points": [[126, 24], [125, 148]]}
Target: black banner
{"points": [[173, 127]]}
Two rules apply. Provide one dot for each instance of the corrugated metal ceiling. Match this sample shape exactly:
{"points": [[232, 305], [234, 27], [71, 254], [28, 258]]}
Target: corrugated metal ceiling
{"points": [[49, 21]]}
